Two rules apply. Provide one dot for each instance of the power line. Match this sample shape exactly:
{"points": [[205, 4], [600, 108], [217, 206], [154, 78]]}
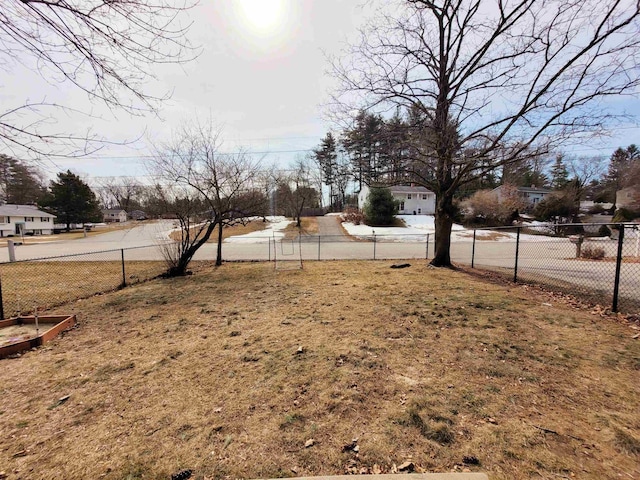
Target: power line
{"points": [[135, 157]]}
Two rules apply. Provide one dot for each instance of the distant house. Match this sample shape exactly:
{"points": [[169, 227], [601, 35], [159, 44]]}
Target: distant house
{"points": [[24, 220], [137, 215], [628, 197], [114, 215], [414, 200], [532, 195]]}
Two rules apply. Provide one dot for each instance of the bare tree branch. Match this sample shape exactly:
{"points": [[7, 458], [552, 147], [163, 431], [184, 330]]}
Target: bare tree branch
{"points": [[210, 189], [491, 83], [105, 48]]}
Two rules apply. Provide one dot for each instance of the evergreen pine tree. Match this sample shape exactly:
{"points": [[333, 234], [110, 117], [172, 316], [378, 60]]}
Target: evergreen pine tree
{"points": [[559, 174], [72, 200]]}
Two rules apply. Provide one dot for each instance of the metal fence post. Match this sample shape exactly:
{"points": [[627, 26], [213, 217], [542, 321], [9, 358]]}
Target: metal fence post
{"points": [[319, 237], [12, 250], [124, 278], [1, 302], [374, 244], [616, 282], [473, 249], [426, 257], [269, 245], [515, 266]]}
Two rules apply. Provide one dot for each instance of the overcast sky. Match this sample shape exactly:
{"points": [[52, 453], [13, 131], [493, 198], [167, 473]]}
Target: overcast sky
{"points": [[261, 74]]}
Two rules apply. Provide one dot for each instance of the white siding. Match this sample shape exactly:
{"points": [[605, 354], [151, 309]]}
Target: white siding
{"points": [[409, 206]]}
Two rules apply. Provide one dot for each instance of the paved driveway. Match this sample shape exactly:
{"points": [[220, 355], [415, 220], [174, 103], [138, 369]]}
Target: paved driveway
{"points": [[330, 226]]}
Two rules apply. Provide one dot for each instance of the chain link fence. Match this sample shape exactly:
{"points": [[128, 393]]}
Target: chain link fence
{"points": [[47, 282], [597, 265]]}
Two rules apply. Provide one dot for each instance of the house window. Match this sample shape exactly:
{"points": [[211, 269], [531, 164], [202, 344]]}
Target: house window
{"points": [[28, 219], [401, 206], [44, 219], [3, 220], [424, 196], [408, 196], [419, 211]]}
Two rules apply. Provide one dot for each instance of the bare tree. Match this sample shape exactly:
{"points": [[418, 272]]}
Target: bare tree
{"points": [[103, 47], [583, 170], [210, 189], [490, 82], [298, 188], [120, 192]]}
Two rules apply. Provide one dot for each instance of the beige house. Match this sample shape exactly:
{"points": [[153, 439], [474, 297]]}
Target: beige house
{"points": [[628, 197], [114, 216], [532, 195]]}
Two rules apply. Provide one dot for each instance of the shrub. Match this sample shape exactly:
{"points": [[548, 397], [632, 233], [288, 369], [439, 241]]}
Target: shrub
{"points": [[604, 231], [353, 215], [484, 207], [557, 206], [625, 215], [592, 253], [380, 208]]}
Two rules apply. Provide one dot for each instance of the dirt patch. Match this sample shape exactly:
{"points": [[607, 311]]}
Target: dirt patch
{"points": [[18, 333], [232, 371]]}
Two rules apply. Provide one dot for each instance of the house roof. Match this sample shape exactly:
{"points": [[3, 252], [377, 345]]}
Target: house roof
{"points": [[534, 190], [528, 189], [118, 210], [409, 189], [11, 210]]}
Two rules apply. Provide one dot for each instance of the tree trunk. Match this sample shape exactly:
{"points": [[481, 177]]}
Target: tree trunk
{"points": [[219, 251], [444, 222]]}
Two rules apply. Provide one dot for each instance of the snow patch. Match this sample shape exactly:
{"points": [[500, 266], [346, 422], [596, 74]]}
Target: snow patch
{"points": [[273, 230]]}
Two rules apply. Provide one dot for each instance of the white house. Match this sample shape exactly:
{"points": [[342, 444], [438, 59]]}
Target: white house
{"points": [[24, 220], [414, 200], [114, 215], [532, 195]]}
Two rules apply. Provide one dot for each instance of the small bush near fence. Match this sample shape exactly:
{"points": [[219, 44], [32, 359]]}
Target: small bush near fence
{"points": [[353, 215], [604, 231], [592, 253]]}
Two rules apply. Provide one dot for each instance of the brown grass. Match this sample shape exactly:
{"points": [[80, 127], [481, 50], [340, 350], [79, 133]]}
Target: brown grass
{"points": [[26, 285], [253, 226], [204, 372], [309, 226]]}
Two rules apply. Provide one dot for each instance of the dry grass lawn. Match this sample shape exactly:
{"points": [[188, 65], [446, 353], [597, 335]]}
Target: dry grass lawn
{"points": [[26, 285], [309, 226], [229, 372]]}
